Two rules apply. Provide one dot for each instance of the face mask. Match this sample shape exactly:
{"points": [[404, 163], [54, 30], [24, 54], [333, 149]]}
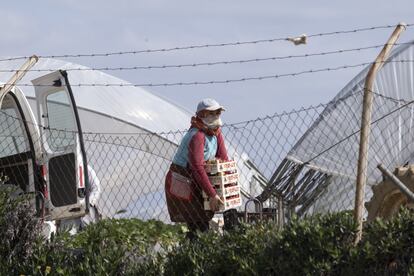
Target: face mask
{"points": [[212, 121]]}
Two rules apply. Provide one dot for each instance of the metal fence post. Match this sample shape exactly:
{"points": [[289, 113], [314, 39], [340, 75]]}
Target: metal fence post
{"points": [[280, 212], [366, 128], [18, 75], [397, 182]]}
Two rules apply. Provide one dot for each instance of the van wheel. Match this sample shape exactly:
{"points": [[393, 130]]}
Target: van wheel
{"points": [[387, 199]]}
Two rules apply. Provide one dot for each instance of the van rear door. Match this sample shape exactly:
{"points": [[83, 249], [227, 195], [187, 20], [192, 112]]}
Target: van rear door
{"points": [[64, 159]]}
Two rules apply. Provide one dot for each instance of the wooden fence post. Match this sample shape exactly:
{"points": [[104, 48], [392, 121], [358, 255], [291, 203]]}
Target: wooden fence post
{"points": [[366, 128]]}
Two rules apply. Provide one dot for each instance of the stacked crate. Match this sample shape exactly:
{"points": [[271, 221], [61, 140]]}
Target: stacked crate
{"points": [[224, 177]]}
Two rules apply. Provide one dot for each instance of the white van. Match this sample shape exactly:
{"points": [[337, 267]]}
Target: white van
{"points": [[45, 157]]}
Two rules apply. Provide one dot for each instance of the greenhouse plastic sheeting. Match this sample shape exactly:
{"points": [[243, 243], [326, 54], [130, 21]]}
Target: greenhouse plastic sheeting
{"points": [[127, 104], [130, 136], [331, 144]]}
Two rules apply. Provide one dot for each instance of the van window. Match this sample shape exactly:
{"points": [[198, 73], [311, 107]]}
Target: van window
{"points": [[13, 134], [62, 125]]}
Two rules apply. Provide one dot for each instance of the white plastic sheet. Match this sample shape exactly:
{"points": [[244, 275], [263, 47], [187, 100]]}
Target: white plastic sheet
{"points": [[392, 133]]}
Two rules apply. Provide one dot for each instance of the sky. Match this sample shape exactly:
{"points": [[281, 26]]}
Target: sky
{"points": [[83, 27]]}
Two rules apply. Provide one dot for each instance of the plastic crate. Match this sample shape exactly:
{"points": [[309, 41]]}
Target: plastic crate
{"points": [[224, 177], [217, 166], [228, 191], [229, 203], [217, 180]]}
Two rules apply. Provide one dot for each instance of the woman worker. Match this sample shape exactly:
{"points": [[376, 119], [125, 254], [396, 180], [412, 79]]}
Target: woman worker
{"points": [[187, 177]]}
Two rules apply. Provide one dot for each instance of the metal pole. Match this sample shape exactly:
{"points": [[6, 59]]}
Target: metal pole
{"points": [[366, 128], [18, 75], [397, 182], [280, 211]]}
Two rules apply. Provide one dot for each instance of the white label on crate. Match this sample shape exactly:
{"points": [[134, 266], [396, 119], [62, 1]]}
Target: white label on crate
{"points": [[224, 179], [228, 204], [220, 167], [227, 166], [234, 202], [231, 178], [233, 190], [229, 191]]}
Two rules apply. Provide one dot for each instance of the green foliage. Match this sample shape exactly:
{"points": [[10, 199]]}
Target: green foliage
{"points": [[131, 233], [233, 253], [123, 246], [311, 246], [19, 231], [387, 247], [112, 247], [318, 245]]}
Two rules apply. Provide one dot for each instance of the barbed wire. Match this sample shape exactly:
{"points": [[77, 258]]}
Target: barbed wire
{"points": [[407, 103], [313, 107], [172, 132], [212, 63], [235, 125], [227, 81], [190, 47], [127, 144]]}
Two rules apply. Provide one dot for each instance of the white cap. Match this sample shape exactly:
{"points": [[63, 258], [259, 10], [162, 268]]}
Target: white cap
{"points": [[209, 104]]}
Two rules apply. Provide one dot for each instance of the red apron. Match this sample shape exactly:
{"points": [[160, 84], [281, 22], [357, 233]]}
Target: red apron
{"points": [[186, 206]]}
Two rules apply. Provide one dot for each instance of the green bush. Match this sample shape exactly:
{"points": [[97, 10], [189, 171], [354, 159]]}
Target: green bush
{"points": [[387, 247], [122, 246], [132, 233], [111, 247], [233, 253], [318, 245], [19, 231], [311, 246]]}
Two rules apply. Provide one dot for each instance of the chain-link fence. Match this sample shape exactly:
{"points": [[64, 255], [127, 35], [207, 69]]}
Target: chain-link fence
{"points": [[302, 162]]}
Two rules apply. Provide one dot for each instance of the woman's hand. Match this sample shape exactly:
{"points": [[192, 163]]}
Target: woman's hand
{"points": [[215, 203]]}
